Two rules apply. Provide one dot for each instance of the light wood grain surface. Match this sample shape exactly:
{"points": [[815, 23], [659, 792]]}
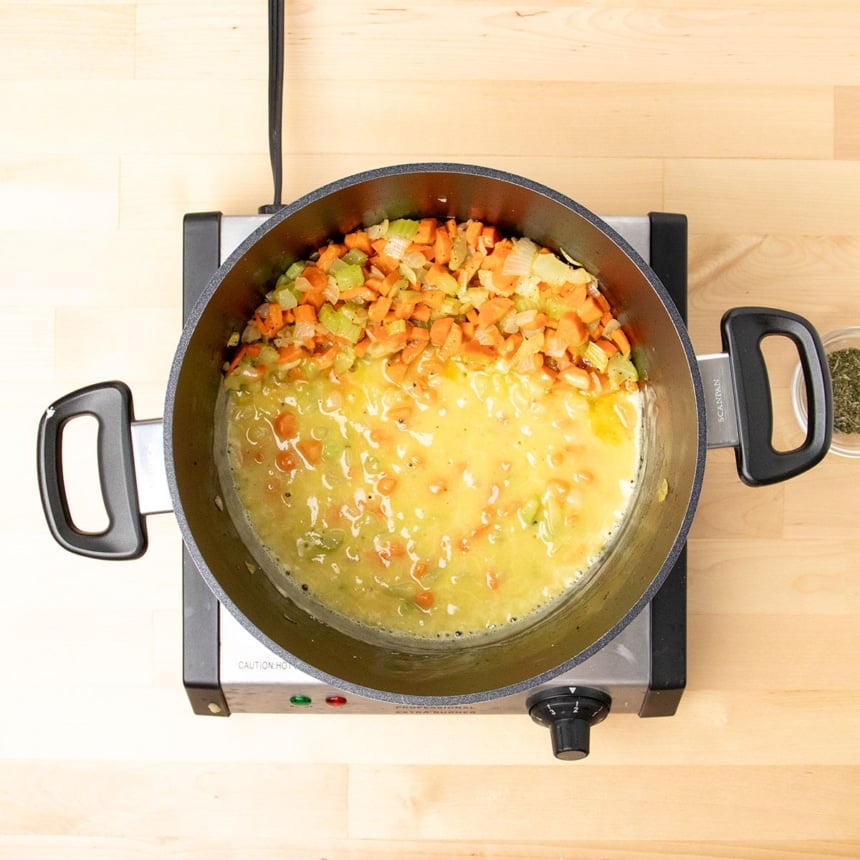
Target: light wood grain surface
{"points": [[119, 117]]}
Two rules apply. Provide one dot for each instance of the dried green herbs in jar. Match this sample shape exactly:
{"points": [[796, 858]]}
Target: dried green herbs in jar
{"points": [[844, 367]]}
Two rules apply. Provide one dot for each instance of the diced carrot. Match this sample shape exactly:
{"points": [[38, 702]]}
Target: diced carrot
{"points": [[590, 311], [358, 240], [311, 450], [504, 285], [403, 310], [390, 281], [377, 311], [511, 345], [289, 354], [476, 350], [452, 343], [572, 330], [314, 298], [607, 346], [286, 461], [491, 337], [440, 329], [400, 413], [285, 424], [412, 350], [434, 299], [426, 234], [535, 322], [252, 350], [386, 485], [385, 263], [473, 231], [489, 236], [602, 302], [326, 358], [424, 599], [273, 321], [496, 258], [559, 487], [305, 313], [427, 250], [621, 341], [358, 294], [316, 277], [329, 254], [419, 569], [421, 312], [396, 370], [442, 247]]}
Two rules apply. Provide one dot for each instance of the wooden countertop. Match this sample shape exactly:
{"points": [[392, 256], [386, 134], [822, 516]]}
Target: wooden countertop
{"points": [[119, 117]]}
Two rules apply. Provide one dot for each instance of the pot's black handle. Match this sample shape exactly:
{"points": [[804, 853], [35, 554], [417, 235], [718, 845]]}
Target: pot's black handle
{"points": [[110, 404], [758, 462]]}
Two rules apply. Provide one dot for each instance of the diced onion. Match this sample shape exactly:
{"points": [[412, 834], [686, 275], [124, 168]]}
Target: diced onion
{"points": [[519, 261], [396, 247]]}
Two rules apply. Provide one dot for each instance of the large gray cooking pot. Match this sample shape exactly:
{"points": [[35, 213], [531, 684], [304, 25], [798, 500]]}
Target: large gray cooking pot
{"points": [[691, 404]]}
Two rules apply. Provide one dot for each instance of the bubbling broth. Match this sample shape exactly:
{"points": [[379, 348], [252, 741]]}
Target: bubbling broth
{"points": [[430, 431]]}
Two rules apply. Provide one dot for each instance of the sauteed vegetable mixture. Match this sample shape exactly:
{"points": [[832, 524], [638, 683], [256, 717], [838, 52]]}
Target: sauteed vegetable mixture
{"points": [[430, 429]]}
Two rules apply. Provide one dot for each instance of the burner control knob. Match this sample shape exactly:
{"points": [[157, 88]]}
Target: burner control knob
{"points": [[569, 713]]}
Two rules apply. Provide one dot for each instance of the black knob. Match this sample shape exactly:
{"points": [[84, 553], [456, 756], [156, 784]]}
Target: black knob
{"points": [[569, 713]]}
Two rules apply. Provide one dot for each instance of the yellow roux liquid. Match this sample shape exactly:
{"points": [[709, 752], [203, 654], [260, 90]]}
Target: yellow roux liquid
{"points": [[439, 508]]}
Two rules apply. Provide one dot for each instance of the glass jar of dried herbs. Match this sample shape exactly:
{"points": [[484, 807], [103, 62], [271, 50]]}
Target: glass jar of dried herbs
{"points": [[844, 367]]}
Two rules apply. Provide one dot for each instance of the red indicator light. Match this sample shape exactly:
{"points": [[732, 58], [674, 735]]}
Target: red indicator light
{"points": [[335, 701]]}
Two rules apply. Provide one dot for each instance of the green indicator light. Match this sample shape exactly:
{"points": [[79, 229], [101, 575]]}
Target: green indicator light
{"points": [[300, 700]]}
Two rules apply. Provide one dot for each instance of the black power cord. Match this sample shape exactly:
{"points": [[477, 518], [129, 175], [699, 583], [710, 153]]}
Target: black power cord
{"points": [[276, 98]]}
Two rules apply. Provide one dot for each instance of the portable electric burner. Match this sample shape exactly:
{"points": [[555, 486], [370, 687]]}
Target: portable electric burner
{"points": [[642, 671]]}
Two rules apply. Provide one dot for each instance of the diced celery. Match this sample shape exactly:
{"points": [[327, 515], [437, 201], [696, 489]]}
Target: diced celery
{"points": [[338, 323], [327, 540], [295, 270], [409, 273], [355, 313], [459, 251], [550, 517], [344, 359], [354, 257], [348, 276], [526, 303], [595, 356], [476, 296], [555, 307], [409, 296], [531, 345], [551, 270], [528, 511], [450, 307], [621, 370], [448, 284], [403, 228], [394, 327], [286, 298]]}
